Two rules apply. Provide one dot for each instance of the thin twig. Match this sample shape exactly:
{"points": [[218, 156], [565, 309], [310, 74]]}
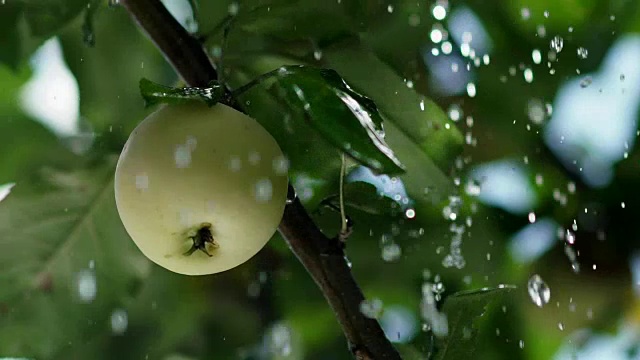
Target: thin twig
{"points": [[322, 257], [343, 217]]}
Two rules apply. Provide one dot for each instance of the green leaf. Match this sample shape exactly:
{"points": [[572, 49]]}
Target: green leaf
{"points": [[46, 17], [88, 32], [26, 145], [155, 93], [416, 116], [345, 118], [10, 46], [462, 309], [62, 243]]}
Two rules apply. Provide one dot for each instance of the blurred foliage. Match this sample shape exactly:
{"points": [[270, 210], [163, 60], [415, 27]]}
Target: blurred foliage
{"points": [[75, 287]]}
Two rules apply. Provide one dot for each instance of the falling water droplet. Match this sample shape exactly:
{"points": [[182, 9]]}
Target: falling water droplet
{"points": [[557, 43], [278, 339], [538, 290], [263, 190], [87, 287], [233, 8], [281, 165], [582, 53], [119, 321], [586, 82], [391, 252], [142, 181], [371, 308]]}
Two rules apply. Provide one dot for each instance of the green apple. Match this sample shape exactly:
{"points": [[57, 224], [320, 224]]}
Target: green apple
{"points": [[200, 189]]}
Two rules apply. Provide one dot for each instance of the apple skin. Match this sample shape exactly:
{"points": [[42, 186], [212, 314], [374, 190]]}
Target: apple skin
{"points": [[188, 165]]}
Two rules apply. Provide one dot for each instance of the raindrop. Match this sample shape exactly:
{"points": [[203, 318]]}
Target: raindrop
{"points": [[538, 290], [263, 190], [436, 36], [582, 53], [471, 89], [455, 112], [317, 54], [235, 164], [391, 252], [182, 156], [371, 308], [472, 188], [254, 158], [233, 8], [525, 13], [119, 321], [142, 181], [536, 55], [439, 12], [521, 344], [557, 43], [541, 31], [546, 13], [281, 165], [111, 2], [390, 9], [87, 287], [410, 213], [570, 237], [536, 111], [528, 75], [573, 258], [532, 217], [586, 82], [278, 340]]}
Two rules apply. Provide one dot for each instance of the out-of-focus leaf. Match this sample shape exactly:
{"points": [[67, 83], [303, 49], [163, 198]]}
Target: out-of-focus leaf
{"points": [[46, 17], [279, 19], [345, 118], [88, 32], [364, 197], [418, 117], [26, 145], [462, 309], [155, 93], [62, 243], [10, 46], [409, 352]]}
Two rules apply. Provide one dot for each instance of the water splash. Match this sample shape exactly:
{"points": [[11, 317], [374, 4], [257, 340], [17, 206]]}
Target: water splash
{"points": [[538, 291]]}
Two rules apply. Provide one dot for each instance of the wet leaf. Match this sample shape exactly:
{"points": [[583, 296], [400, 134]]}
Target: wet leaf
{"points": [[415, 115], [345, 118], [462, 309], [154, 93], [63, 243]]}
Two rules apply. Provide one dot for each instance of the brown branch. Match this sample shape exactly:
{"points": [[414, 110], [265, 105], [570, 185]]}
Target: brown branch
{"points": [[322, 257]]}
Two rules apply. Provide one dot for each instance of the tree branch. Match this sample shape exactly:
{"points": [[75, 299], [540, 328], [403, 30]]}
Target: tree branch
{"points": [[322, 257]]}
